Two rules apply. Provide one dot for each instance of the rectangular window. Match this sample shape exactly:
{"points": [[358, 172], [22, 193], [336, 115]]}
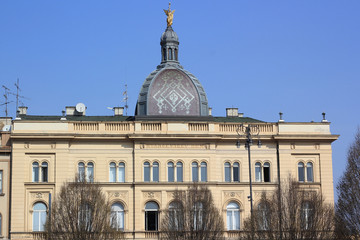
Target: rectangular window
{"points": [[203, 174], [147, 173], [195, 174], [236, 173], [121, 173]]}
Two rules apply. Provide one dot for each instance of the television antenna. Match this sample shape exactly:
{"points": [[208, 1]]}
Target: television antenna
{"points": [[18, 97], [6, 94], [125, 99]]}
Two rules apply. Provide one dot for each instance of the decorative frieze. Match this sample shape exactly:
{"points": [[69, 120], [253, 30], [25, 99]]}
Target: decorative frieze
{"points": [[186, 146], [233, 194]]}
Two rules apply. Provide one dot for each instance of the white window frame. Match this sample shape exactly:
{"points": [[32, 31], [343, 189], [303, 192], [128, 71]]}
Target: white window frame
{"points": [[41, 165], [117, 167], [306, 169], [260, 177], [86, 171]]}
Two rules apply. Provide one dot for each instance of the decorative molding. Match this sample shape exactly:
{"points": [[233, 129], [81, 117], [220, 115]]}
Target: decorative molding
{"points": [[152, 195], [187, 146], [53, 145], [292, 145], [233, 194], [26, 145], [118, 194], [317, 146]]}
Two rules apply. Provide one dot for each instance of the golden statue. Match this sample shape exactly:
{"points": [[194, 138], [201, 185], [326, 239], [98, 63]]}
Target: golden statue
{"points": [[170, 16]]}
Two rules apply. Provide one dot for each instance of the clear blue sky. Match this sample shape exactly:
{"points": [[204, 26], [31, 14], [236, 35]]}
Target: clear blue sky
{"points": [[262, 56]]}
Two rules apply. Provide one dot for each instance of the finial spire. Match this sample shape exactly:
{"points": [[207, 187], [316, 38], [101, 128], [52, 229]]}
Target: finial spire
{"points": [[170, 15]]}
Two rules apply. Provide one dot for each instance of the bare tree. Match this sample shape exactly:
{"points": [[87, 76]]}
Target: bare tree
{"points": [[291, 212], [192, 215], [348, 204], [81, 211]]}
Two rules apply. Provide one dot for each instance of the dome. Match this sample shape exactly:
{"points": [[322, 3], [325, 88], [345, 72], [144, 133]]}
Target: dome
{"points": [[169, 36], [170, 90]]}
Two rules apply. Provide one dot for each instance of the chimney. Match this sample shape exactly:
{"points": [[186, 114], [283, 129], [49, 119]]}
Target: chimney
{"points": [[22, 110], [241, 115], [70, 110], [232, 112], [118, 111], [210, 111]]}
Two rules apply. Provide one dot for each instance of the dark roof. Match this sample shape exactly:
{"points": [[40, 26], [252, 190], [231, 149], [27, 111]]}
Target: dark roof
{"points": [[132, 118]]}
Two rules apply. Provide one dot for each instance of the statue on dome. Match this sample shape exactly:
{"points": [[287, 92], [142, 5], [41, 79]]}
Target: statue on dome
{"points": [[170, 16]]}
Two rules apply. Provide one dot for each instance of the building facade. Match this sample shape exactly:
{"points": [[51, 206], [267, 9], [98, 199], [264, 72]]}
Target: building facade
{"points": [[171, 142]]}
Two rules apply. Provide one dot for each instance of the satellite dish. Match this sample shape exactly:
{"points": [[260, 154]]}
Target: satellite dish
{"points": [[80, 107], [6, 128]]}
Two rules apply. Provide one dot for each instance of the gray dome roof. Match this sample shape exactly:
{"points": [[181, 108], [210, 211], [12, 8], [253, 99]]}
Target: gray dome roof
{"points": [[169, 36], [172, 91]]}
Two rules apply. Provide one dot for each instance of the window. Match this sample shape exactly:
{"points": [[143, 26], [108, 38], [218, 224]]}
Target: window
{"points": [[309, 172], [227, 167], [146, 171], [262, 172], [148, 174], [308, 169], [258, 172], [117, 216], [233, 216], [86, 172], [170, 172], [0, 224], [195, 172], [264, 216], [40, 172], [301, 172], [1, 184], [234, 169], [176, 219], [176, 54], [203, 172], [85, 217], [198, 216], [35, 172], [39, 216], [151, 216], [44, 172], [196, 169], [117, 173], [306, 215], [236, 172], [179, 172], [155, 172]]}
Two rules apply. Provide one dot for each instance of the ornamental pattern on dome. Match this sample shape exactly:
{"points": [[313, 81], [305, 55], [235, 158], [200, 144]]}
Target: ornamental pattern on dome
{"points": [[173, 93]]}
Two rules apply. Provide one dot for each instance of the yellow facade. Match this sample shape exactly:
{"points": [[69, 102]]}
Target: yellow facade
{"points": [[63, 144]]}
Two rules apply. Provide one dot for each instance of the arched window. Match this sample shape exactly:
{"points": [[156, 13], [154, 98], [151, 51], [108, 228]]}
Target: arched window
{"points": [[266, 170], [195, 171], [309, 172], [258, 177], [176, 218], [164, 54], [236, 172], [264, 216], [262, 172], [90, 172], [233, 216], [146, 172], [39, 216], [117, 216], [203, 172], [155, 171], [44, 172], [170, 54], [117, 173], [176, 54], [301, 172], [179, 172], [227, 170], [151, 216], [112, 172], [171, 172], [121, 172], [81, 171], [306, 215], [35, 172]]}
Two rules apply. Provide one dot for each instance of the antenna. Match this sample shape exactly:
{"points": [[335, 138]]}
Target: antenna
{"points": [[125, 99], [17, 85], [7, 91]]}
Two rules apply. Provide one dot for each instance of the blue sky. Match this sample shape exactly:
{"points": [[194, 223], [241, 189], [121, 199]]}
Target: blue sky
{"points": [[262, 56]]}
